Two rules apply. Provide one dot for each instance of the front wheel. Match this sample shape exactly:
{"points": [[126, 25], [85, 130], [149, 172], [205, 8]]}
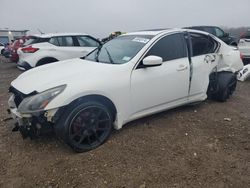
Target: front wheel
{"points": [[86, 126]]}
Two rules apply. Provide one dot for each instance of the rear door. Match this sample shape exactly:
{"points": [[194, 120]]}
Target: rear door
{"points": [[204, 60]]}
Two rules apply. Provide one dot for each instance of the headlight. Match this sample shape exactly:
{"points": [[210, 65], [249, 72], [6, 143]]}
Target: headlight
{"points": [[39, 101]]}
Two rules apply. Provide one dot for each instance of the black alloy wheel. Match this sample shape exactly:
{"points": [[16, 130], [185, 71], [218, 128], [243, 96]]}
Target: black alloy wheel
{"points": [[89, 127]]}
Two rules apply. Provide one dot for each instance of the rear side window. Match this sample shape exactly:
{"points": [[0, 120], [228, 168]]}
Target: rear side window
{"points": [[87, 41], [65, 41], [202, 44], [170, 47], [54, 41]]}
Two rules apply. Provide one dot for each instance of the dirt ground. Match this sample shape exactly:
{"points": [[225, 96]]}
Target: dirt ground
{"points": [[192, 146]]}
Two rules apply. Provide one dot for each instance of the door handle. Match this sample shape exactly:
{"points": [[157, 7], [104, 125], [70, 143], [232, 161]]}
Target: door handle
{"points": [[210, 58], [182, 67]]}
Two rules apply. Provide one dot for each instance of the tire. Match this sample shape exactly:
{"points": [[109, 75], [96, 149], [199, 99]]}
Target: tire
{"points": [[227, 84], [2, 51], [224, 94], [85, 125], [45, 61]]}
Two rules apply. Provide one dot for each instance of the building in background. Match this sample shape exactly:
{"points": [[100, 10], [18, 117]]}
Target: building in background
{"points": [[6, 35]]}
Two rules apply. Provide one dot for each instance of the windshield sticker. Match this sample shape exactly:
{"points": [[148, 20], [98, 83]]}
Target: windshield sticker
{"points": [[141, 40], [126, 58]]}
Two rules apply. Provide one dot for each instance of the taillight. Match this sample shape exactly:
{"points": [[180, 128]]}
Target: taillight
{"points": [[241, 56], [29, 49]]}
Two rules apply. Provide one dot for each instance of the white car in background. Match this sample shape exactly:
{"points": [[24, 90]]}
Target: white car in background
{"points": [[244, 47], [49, 48], [129, 77]]}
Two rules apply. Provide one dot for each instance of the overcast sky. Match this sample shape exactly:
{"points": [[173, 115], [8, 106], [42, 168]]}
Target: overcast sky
{"points": [[101, 17]]}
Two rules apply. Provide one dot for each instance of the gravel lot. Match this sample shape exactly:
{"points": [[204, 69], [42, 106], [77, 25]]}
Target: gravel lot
{"points": [[192, 146]]}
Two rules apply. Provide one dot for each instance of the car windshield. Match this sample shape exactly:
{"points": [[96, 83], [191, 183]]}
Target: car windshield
{"points": [[119, 50]]}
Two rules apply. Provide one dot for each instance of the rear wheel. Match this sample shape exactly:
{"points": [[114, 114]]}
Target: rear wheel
{"points": [[226, 88], [224, 94], [86, 126]]}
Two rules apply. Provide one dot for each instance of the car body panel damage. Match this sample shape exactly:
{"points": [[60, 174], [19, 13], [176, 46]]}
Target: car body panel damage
{"points": [[137, 74], [244, 74]]}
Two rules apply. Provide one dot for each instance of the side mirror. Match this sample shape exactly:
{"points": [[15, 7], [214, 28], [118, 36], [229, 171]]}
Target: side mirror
{"points": [[152, 61]]}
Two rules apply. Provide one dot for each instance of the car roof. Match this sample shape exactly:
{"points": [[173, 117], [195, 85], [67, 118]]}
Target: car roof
{"points": [[49, 35], [155, 32], [200, 26]]}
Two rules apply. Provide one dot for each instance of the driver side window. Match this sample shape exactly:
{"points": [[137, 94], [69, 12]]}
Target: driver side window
{"points": [[169, 47]]}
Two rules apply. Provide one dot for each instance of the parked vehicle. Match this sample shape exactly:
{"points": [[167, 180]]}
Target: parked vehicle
{"points": [[112, 36], [17, 44], [1, 48], [244, 47], [129, 77], [218, 32], [244, 74], [49, 48]]}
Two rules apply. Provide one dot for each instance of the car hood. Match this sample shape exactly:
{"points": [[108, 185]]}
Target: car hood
{"points": [[63, 72]]}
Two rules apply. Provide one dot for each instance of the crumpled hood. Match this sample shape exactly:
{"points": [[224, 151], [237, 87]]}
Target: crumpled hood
{"points": [[63, 72]]}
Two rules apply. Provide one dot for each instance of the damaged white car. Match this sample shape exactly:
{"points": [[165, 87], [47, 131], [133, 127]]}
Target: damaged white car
{"points": [[132, 76]]}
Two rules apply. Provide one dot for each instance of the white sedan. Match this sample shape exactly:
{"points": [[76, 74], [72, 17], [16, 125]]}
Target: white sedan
{"points": [[132, 76]]}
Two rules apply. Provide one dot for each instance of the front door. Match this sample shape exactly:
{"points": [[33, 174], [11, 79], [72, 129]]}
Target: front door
{"points": [[155, 88]]}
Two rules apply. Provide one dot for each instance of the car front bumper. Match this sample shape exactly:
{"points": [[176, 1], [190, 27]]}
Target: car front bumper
{"points": [[29, 125]]}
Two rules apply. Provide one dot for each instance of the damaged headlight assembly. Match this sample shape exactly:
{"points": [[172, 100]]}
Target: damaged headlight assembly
{"points": [[38, 102]]}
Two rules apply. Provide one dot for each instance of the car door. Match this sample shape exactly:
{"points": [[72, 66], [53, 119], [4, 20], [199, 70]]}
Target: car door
{"points": [[204, 60], [86, 44], [157, 88], [63, 48]]}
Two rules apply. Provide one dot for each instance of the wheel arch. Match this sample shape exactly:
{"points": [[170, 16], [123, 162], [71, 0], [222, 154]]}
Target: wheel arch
{"points": [[98, 98], [49, 59]]}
